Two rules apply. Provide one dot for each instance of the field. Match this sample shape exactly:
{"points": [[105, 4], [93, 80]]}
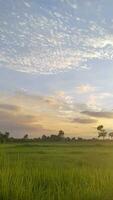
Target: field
{"points": [[82, 171]]}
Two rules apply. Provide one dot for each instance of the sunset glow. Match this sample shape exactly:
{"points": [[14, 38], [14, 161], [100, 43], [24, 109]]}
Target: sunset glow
{"points": [[56, 66]]}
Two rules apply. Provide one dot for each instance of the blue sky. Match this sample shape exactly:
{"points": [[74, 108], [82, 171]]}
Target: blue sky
{"points": [[56, 66]]}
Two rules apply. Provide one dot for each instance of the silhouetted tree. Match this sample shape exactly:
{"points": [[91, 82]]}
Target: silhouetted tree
{"points": [[67, 139], [7, 134], [73, 139], [44, 137], [111, 135], [53, 137], [1, 137], [25, 137], [100, 127], [80, 139], [61, 134], [102, 132]]}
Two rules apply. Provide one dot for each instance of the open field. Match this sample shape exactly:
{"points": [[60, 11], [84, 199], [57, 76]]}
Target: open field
{"points": [[82, 171]]}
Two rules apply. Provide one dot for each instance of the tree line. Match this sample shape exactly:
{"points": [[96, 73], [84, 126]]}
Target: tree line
{"points": [[60, 137], [5, 137]]}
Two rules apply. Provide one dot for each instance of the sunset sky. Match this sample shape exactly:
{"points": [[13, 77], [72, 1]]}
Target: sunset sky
{"points": [[56, 66]]}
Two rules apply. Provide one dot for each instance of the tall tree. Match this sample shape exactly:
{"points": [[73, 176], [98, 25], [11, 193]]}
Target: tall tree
{"points": [[102, 132]]}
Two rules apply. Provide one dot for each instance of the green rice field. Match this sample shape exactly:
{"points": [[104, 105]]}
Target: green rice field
{"points": [[82, 171]]}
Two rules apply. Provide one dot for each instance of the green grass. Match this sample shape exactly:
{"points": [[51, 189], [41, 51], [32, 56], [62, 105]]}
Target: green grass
{"points": [[82, 171]]}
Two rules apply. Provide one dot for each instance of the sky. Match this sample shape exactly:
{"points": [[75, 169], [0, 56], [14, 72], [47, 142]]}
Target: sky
{"points": [[56, 67]]}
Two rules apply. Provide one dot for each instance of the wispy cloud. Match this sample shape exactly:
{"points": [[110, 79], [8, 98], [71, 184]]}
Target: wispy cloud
{"points": [[101, 114], [84, 120], [9, 107], [99, 100], [27, 4]]}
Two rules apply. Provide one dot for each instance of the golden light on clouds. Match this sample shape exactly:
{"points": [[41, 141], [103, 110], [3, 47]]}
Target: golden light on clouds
{"points": [[37, 115]]}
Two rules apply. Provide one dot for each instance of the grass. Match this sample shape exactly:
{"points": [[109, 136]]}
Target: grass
{"points": [[82, 171]]}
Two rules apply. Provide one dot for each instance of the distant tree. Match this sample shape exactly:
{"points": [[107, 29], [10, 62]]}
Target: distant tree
{"points": [[53, 137], [80, 139], [111, 135], [7, 134], [44, 137], [67, 139], [73, 139], [102, 132], [61, 134], [25, 137], [93, 139], [1, 137]]}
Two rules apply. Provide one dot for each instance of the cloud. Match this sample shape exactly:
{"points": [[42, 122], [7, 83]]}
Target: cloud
{"points": [[97, 100], [18, 117], [49, 111], [9, 107], [39, 114], [101, 42], [100, 114], [20, 124], [58, 103], [50, 39], [84, 121], [86, 88], [27, 4]]}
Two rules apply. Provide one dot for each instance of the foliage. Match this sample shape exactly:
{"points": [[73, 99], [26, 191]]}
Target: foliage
{"points": [[102, 132], [60, 137], [25, 137]]}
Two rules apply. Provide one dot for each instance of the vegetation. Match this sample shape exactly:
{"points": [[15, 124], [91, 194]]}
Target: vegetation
{"points": [[56, 167], [102, 132], [59, 171], [60, 137]]}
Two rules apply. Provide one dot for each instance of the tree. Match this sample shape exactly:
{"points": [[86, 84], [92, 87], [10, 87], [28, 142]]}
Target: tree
{"points": [[73, 139], [61, 134], [102, 132], [44, 137], [53, 137], [67, 139], [100, 127], [6, 135], [26, 136], [1, 137], [111, 135]]}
